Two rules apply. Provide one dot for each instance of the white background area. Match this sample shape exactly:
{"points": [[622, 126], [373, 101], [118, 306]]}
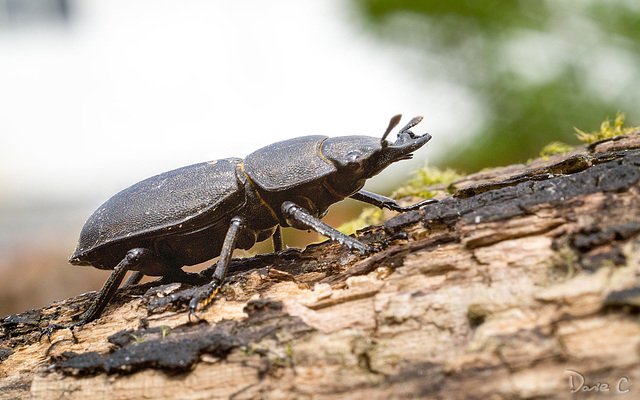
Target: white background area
{"points": [[129, 89]]}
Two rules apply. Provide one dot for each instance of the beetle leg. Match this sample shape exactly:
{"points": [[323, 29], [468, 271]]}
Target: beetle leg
{"points": [[381, 201], [133, 258], [277, 239], [295, 213], [205, 298], [111, 285], [133, 279], [387, 242]]}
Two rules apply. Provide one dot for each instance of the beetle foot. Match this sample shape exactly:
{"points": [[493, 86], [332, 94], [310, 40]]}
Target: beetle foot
{"points": [[204, 299], [387, 242], [192, 310], [353, 244], [363, 249], [421, 204], [49, 330], [394, 206]]}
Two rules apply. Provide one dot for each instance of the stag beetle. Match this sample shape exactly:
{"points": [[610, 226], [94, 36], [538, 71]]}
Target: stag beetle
{"points": [[196, 213]]}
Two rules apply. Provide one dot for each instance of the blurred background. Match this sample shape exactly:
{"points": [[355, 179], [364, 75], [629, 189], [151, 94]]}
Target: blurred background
{"points": [[97, 95]]}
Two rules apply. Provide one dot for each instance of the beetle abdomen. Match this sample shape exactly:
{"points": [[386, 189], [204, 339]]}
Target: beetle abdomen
{"points": [[163, 203]]}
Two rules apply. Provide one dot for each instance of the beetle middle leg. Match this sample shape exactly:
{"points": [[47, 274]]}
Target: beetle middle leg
{"points": [[205, 298], [381, 201], [301, 218], [277, 239]]}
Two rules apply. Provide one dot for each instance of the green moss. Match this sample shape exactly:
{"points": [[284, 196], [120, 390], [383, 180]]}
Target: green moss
{"points": [[368, 216], [248, 350], [607, 130], [555, 148], [166, 331], [562, 266], [426, 178], [136, 339], [288, 350]]}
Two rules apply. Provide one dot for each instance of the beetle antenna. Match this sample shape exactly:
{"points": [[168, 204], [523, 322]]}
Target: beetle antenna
{"points": [[395, 120], [415, 121]]}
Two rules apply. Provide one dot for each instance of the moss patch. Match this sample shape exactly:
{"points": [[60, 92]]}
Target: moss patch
{"points": [[555, 148], [425, 179], [607, 130], [368, 216]]}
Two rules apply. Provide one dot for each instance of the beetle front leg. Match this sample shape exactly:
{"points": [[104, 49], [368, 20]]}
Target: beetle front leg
{"points": [[277, 239], [205, 298], [381, 201], [301, 218]]}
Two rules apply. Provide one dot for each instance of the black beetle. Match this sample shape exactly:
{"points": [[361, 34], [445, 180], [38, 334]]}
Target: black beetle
{"points": [[196, 213]]}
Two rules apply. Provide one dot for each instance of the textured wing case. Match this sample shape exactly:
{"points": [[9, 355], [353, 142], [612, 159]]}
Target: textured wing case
{"points": [[162, 203], [283, 165]]}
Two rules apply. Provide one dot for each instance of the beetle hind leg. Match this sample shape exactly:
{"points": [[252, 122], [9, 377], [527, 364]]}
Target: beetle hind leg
{"points": [[133, 258], [277, 239]]}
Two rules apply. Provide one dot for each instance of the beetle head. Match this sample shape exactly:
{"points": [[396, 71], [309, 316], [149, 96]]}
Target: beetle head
{"points": [[359, 158]]}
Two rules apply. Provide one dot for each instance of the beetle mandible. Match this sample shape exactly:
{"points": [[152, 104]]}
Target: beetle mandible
{"points": [[196, 213]]}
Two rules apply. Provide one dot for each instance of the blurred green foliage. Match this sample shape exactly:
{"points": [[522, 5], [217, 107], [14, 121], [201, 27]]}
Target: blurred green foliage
{"points": [[427, 181], [536, 68]]}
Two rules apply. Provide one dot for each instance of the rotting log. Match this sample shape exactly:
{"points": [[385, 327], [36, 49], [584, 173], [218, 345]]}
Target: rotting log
{"points": [[525, 283]]}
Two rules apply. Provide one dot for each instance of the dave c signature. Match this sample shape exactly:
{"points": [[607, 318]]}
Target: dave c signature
{"points": [[578, 383]]}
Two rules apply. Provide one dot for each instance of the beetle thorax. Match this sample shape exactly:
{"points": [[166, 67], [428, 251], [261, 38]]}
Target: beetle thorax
{"points": [[355, 160]]}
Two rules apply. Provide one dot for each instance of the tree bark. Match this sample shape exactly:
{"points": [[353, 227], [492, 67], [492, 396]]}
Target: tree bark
{"points": [[525, 283]]}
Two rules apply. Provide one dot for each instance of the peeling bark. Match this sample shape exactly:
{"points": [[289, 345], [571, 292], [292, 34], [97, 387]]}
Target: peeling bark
{"points": [[523, 283]]}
